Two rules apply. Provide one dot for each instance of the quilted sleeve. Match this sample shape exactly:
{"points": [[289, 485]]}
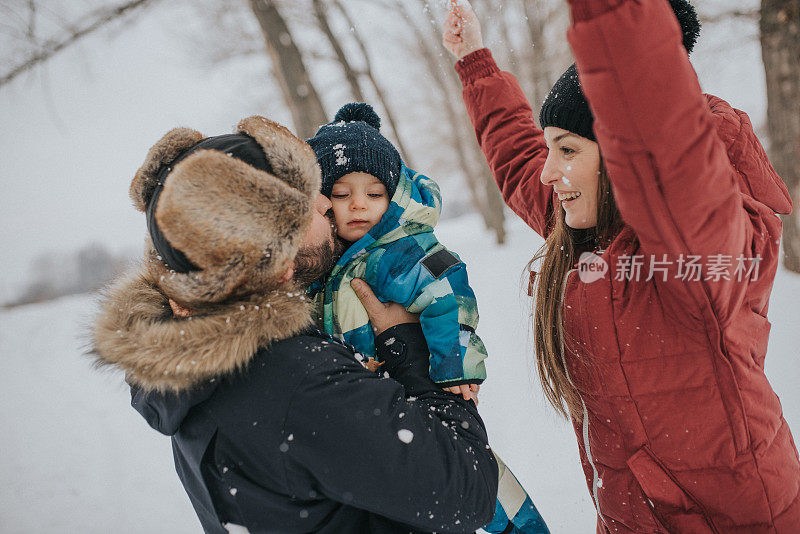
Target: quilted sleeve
{"points": [[449, 316], [671, 176], [434, 444], [513, 145]]}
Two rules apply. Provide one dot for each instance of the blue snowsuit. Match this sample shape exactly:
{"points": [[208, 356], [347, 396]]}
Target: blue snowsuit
{"points": [[402, 261]]}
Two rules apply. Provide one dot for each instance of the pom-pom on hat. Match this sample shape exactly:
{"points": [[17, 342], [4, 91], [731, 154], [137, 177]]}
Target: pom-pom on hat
{"points": [[566, 106], [690, 23], [353, 143]]}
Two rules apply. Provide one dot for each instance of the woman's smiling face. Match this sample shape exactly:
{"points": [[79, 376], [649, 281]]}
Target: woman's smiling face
{"points": [[572, 169]]}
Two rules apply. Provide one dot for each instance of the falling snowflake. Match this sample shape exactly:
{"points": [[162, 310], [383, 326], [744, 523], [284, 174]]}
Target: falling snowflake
{"points": [[405, 435]]}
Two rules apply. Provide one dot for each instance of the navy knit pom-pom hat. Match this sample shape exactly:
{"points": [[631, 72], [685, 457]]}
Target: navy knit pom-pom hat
{"points": [[566, 106], [353, 143]]}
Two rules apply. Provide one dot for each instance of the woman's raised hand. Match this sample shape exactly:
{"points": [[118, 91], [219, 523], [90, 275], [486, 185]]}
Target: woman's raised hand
{"points": [[462, 31]]}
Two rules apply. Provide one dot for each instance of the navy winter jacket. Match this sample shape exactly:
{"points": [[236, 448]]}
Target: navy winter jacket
{"points": [[305, 439]]}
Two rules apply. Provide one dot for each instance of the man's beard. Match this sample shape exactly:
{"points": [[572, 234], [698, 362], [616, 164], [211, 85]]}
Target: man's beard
{"points": [[312, 262]]}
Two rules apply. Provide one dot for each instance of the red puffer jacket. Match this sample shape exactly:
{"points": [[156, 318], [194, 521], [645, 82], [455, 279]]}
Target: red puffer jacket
{"points": [[681, 431]]}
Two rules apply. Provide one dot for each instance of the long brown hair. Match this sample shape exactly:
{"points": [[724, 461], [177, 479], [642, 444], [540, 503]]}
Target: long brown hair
{"points": [[556, 257]]}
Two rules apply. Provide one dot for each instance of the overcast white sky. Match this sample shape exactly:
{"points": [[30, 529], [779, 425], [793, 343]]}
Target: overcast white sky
{"points": [[74, 132]]}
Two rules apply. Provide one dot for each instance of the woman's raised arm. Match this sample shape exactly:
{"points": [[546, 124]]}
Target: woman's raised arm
{"points": [[671, 176], [513, 145]]}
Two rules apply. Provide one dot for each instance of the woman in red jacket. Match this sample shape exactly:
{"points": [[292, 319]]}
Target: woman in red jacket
{"points": [[658, 206]]}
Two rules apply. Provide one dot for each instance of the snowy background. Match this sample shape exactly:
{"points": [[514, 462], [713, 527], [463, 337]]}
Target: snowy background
{"points": [[76, 457]]}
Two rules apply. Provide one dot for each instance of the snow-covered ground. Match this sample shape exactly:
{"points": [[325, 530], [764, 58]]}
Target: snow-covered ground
{"points": [[76, 457]]}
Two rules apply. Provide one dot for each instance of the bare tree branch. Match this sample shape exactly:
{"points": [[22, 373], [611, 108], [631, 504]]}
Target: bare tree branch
{"points": [[747, 14], [244, 50], [94, 21], [229, 31], [321, 13], [369, 73], [8, 14], [30, 31]]}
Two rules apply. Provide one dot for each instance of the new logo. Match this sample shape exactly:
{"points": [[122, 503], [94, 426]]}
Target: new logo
{"points": [[591, 267]]}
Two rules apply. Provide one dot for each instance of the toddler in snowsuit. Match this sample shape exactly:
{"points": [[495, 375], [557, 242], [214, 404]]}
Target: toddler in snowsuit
{"points": [[386, 213]]}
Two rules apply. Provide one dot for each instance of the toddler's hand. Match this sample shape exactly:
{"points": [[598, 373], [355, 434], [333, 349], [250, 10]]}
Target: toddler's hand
{"points": [[373, 365], [468, 391]]}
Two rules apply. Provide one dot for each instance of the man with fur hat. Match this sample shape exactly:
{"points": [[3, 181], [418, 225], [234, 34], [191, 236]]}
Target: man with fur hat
{"points": [[272, 420]]}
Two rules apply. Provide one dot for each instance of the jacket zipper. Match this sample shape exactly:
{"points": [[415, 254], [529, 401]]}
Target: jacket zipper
{"points": [[585, 423]]}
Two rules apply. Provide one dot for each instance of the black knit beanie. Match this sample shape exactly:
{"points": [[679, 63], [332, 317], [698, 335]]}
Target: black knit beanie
{"points": [[353, 143], [237, 146], [566, 107]]}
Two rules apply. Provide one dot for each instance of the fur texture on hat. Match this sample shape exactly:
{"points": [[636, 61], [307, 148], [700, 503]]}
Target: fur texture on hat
{"points": [[164, 152], [241, 226]]}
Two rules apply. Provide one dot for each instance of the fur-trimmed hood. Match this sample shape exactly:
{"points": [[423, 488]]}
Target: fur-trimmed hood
{"points": [[136, 332]]}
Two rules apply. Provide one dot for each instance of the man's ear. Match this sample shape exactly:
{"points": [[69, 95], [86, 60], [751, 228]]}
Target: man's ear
{"points": [[288, 274]]}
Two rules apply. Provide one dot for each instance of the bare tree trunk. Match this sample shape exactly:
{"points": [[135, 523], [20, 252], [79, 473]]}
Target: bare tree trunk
{"points": [[290, 71], [490, 202], [368, 71], [501, 20], [515, 57], [483, 191], [450, 110], [541, 73], [780, 50], [494, 14], [321, 12]]}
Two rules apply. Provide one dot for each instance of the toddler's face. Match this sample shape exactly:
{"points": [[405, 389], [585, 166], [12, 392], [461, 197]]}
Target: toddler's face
{"points": [[359, 201]]}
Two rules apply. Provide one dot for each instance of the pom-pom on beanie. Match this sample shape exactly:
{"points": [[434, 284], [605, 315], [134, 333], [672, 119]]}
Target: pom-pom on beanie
{"points": [[566, 106], [353, 143]]}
